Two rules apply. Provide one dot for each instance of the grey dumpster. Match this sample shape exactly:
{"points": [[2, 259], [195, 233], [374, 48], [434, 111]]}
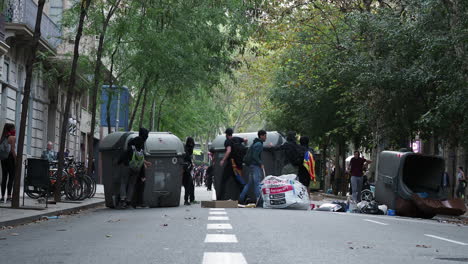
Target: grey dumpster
{"points": [[273, 160], [163, 178], [402, 175]]}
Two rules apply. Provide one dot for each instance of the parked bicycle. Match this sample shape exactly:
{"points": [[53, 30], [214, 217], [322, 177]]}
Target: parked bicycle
{"points": [[75, 183]]}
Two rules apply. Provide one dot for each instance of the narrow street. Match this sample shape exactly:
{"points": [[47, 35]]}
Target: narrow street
{"points": [[191, 234]]}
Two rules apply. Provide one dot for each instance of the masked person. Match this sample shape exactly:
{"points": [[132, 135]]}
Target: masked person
{"points": [[132, 183], [232, 161], [187, 179]]}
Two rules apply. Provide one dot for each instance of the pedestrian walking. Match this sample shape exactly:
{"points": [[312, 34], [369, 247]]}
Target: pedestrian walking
{"points": [[253, 159], [303, 173], [232, 161], [132, 183], [461, 180], [356, 168], [8, 159], [187, 179]]}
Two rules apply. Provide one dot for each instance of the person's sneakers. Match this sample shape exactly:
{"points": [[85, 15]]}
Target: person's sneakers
{"points": [[195, 202], [123, 204], [9, 199], [186, 203]]}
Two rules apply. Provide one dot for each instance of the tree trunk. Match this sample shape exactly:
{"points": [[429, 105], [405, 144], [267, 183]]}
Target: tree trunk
{"points": [[143, 108], [111, 92], [108, 106], [70, 88], [135, 107], [323, 169], [25, 105], [97, 79], [153, 110], [341, 182]]}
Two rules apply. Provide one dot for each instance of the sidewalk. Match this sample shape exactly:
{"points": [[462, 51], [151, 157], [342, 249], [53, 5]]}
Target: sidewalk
{"points": [[12, 217]]}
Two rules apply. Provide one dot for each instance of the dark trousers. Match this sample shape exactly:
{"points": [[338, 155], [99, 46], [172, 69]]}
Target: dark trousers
{"points": [[137, 198], [8, 174], [189, 188], [228, 173]]}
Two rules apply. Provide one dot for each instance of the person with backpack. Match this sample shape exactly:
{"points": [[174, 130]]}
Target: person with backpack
{"points": [[8, 158], [232, 161], [253, 159], [132, 184], [187, 179]]}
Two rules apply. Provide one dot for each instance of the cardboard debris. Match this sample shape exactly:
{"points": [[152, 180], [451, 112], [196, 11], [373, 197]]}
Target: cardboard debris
{"points": [[219, 204]]}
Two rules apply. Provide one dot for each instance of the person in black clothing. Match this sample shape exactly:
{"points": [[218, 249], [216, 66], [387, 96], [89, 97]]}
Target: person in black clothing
{"points": [[209, 177], [303, 175], [132, 185], [187, 179], [293, 154], [227, 160]]}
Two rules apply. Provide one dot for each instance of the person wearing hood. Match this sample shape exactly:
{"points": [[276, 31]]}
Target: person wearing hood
{"points": [[187, 179], [132, 184], [254, 160]]}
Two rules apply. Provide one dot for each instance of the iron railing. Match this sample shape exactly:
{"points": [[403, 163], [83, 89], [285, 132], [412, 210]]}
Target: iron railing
{"points": [[24, 12]]}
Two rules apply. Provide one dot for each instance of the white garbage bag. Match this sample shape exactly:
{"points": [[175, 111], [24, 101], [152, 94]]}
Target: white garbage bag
{"points": [[284, 192]]}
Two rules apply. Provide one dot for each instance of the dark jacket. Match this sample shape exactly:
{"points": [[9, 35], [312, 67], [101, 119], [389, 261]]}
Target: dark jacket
{"points": [[257, 149]]}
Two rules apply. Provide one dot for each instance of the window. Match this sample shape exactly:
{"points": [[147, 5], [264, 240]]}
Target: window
{"points": [[6, 70]]}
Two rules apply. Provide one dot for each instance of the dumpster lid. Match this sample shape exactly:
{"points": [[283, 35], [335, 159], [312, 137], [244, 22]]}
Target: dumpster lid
{"points": [[114, 141], [273, 137], [164, 143]]}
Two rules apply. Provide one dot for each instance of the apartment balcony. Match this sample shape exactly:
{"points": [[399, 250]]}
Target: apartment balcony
{"points": [[3, 46], [20, 17]]}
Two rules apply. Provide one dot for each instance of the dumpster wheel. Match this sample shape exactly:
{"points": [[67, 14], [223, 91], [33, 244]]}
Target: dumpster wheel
{"points": [[367, 195]]}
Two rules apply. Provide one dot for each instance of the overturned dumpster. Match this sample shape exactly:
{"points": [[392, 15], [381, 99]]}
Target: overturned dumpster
{"points": [[163, 177], [410, 184], [272, 157]]}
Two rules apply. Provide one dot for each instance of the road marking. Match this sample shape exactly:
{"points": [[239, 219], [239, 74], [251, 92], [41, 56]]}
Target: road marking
{"points": [[215, 218], [375, 222], [220, 238], [219, 226], [216, 209], [218, 213], [223, 257], [448, 240]]}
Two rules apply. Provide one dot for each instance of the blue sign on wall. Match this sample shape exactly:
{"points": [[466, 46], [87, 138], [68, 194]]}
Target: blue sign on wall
{"points": [[119, 102]]}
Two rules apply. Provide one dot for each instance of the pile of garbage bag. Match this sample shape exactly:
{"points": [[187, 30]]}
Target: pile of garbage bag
{"points": [[281, 192]]}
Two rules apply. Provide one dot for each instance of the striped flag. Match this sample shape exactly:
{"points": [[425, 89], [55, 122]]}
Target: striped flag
{"points": [[237, 172], [309, 164]]}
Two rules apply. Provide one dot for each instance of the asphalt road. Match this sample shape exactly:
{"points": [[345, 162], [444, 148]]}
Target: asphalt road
{"points": [[181, 235]]}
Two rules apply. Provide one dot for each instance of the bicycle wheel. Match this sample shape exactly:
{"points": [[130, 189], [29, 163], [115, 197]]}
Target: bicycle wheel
{"points": [[74, 188], [87, 186]]}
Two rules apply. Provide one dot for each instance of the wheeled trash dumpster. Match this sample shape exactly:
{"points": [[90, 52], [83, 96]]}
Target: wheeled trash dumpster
{"points": [[411, 184], [273, 160], [163, 177]]}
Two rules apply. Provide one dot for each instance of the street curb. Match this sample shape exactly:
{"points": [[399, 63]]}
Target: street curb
{"points": [[29, 219], [334, 196]]}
